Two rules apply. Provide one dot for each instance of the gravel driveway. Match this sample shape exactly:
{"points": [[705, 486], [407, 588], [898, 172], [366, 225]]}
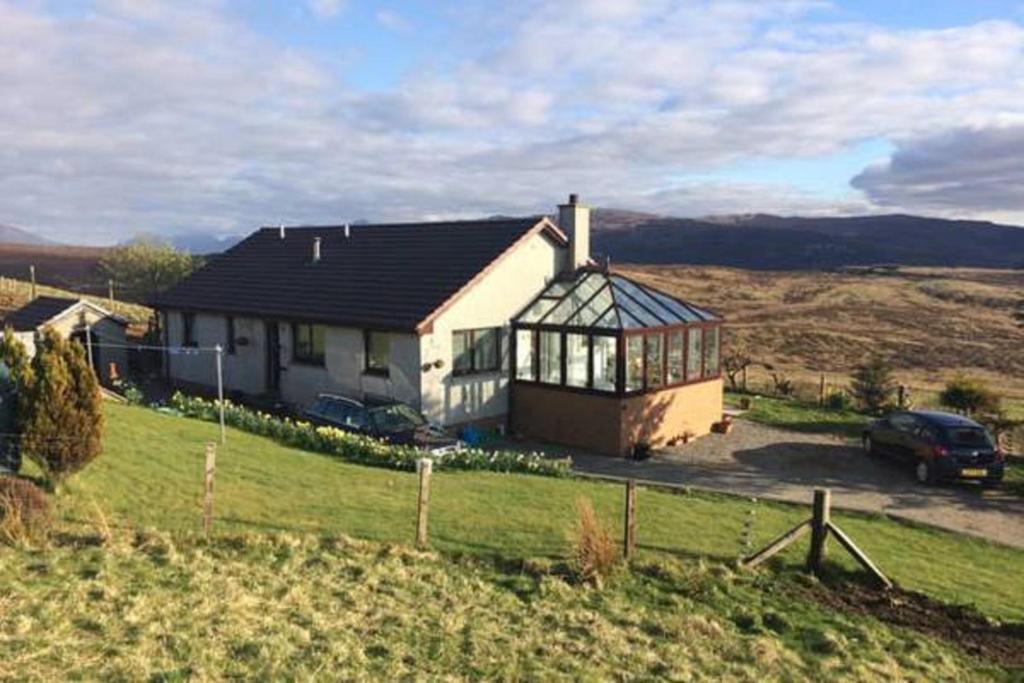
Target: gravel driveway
{"points": [[755, 460]]}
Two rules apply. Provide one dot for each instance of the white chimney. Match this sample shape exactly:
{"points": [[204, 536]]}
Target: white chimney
{"points": [[347, 231], [281, 229], [574, 218], [316, 250]]}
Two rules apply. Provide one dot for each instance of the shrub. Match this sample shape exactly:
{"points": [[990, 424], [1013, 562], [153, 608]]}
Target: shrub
{"points": [[594, 554], [969, 396], [873, 385], [25, 513], [782, 386], [362, 449], [60, 409], [837, 400]]}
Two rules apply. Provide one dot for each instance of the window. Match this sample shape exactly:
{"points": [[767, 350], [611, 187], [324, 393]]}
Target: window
{"points": [[711, 352], [694, 353], [634, 363], [525, 355], [378, 353], [550, 357], [605, 357], [188, 329], [675, 357], [308, 344], [476, 350], [655, 350], [229, 334], [577, 358]]}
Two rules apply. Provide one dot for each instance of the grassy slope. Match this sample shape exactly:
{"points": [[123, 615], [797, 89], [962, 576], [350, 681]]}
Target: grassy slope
{"points": [[296, 607], [931, 321], [151, 474]]}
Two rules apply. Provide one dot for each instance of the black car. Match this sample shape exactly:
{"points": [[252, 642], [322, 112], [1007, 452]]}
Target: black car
{"points": [[382, 418], [940, 446]]}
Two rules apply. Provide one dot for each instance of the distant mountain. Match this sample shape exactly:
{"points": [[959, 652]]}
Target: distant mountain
{"points": [[12, 235], [767, 242], [203, 243]]}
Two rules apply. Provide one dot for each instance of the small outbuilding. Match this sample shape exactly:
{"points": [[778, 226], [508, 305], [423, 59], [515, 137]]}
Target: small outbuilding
{"points": [[95, 328], [608, 364]]}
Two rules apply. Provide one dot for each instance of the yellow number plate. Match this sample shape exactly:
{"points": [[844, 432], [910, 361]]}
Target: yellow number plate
{"points": [[971, 472]]}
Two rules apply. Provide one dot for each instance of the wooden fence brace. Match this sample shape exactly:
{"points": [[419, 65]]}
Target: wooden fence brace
{"points": [[819, 529], [859, 555], [777, 545], [208, 472], [424, 466], [629, 535]]}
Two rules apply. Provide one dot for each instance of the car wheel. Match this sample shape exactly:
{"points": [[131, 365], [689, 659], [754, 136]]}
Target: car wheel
{"points": [[925, 473]]}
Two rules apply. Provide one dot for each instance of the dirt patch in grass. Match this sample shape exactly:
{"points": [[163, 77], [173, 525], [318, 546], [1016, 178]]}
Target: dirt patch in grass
{"points": [[962, 626]]}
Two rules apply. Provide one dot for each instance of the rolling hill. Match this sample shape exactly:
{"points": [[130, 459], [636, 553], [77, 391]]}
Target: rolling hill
{"points": [[12, 235], [765, 242]]}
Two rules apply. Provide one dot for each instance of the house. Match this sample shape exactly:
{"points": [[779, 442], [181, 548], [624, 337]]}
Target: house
{"points": [[95, 328], [425, 313]]}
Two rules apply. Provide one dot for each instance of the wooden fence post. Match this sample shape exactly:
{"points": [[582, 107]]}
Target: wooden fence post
{"points": [[208, 472], [629, 540], [821, 390], [424, 465], [819, 529]]}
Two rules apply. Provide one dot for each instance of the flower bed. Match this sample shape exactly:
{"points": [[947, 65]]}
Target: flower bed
{"points": [[361, 449]]}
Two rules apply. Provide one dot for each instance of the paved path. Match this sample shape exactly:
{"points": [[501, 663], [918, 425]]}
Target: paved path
{"points": [[755, 460]]}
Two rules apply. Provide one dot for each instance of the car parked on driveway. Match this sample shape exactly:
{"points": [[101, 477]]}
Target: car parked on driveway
{"points": [[940, 446], [382, 418]]}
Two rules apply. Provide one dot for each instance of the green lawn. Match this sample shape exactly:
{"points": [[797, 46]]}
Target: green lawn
{"points": [[151, 472], [799, 416]]}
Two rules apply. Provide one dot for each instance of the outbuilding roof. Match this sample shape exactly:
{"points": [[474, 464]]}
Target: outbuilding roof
{"points": [[385, 276], [38, 311], [44, 309], [593, 297]]}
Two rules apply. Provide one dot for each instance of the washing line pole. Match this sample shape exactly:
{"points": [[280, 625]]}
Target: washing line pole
{"points": [[88, 345], [220, 389]]}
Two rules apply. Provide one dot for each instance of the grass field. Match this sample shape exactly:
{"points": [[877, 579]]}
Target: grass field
{"points": [[310, 574], [292, 607], [151, 473]]}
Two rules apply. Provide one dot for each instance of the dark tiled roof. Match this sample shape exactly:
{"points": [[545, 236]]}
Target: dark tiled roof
{"points": [[38, 311], [381, 276]]}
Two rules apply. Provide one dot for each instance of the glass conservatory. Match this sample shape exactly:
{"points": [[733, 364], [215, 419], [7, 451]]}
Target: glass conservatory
{"points": [[601, 344]]}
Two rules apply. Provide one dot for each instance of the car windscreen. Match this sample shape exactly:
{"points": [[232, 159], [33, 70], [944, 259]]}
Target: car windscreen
{"points": [[969, 437], [395, 418]]}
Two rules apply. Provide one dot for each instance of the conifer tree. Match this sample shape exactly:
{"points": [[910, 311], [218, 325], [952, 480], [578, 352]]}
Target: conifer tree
{"points": [[61, 414]]}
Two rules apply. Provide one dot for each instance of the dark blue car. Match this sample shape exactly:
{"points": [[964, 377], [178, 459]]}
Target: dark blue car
{"points": [[940, 446]]}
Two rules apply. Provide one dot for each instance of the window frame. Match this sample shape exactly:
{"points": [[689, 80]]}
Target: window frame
{"points": [[532, 332], [311, 359], [471, 349], [369, 369]]}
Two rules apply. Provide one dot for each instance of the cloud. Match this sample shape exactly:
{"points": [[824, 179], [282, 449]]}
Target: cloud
{"points": [[961, 171], [326, 9], [392, 20], [164, 116]]}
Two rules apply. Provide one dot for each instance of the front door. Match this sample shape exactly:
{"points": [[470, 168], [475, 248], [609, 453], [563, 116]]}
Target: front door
{"points": [[273, 357]]}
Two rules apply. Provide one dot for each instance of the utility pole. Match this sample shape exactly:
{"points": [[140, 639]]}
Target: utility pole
{"points": [[110, 293], [220, 389]]}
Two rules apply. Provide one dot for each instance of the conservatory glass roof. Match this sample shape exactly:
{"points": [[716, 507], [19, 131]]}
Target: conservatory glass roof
{"points": [[603, 300]]}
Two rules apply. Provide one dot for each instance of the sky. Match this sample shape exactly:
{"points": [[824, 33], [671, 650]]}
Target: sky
{"points": [[121, 117]]}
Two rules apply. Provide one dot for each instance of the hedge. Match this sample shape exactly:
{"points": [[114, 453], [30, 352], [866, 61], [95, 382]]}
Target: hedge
{"points": [[362, 449]]}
